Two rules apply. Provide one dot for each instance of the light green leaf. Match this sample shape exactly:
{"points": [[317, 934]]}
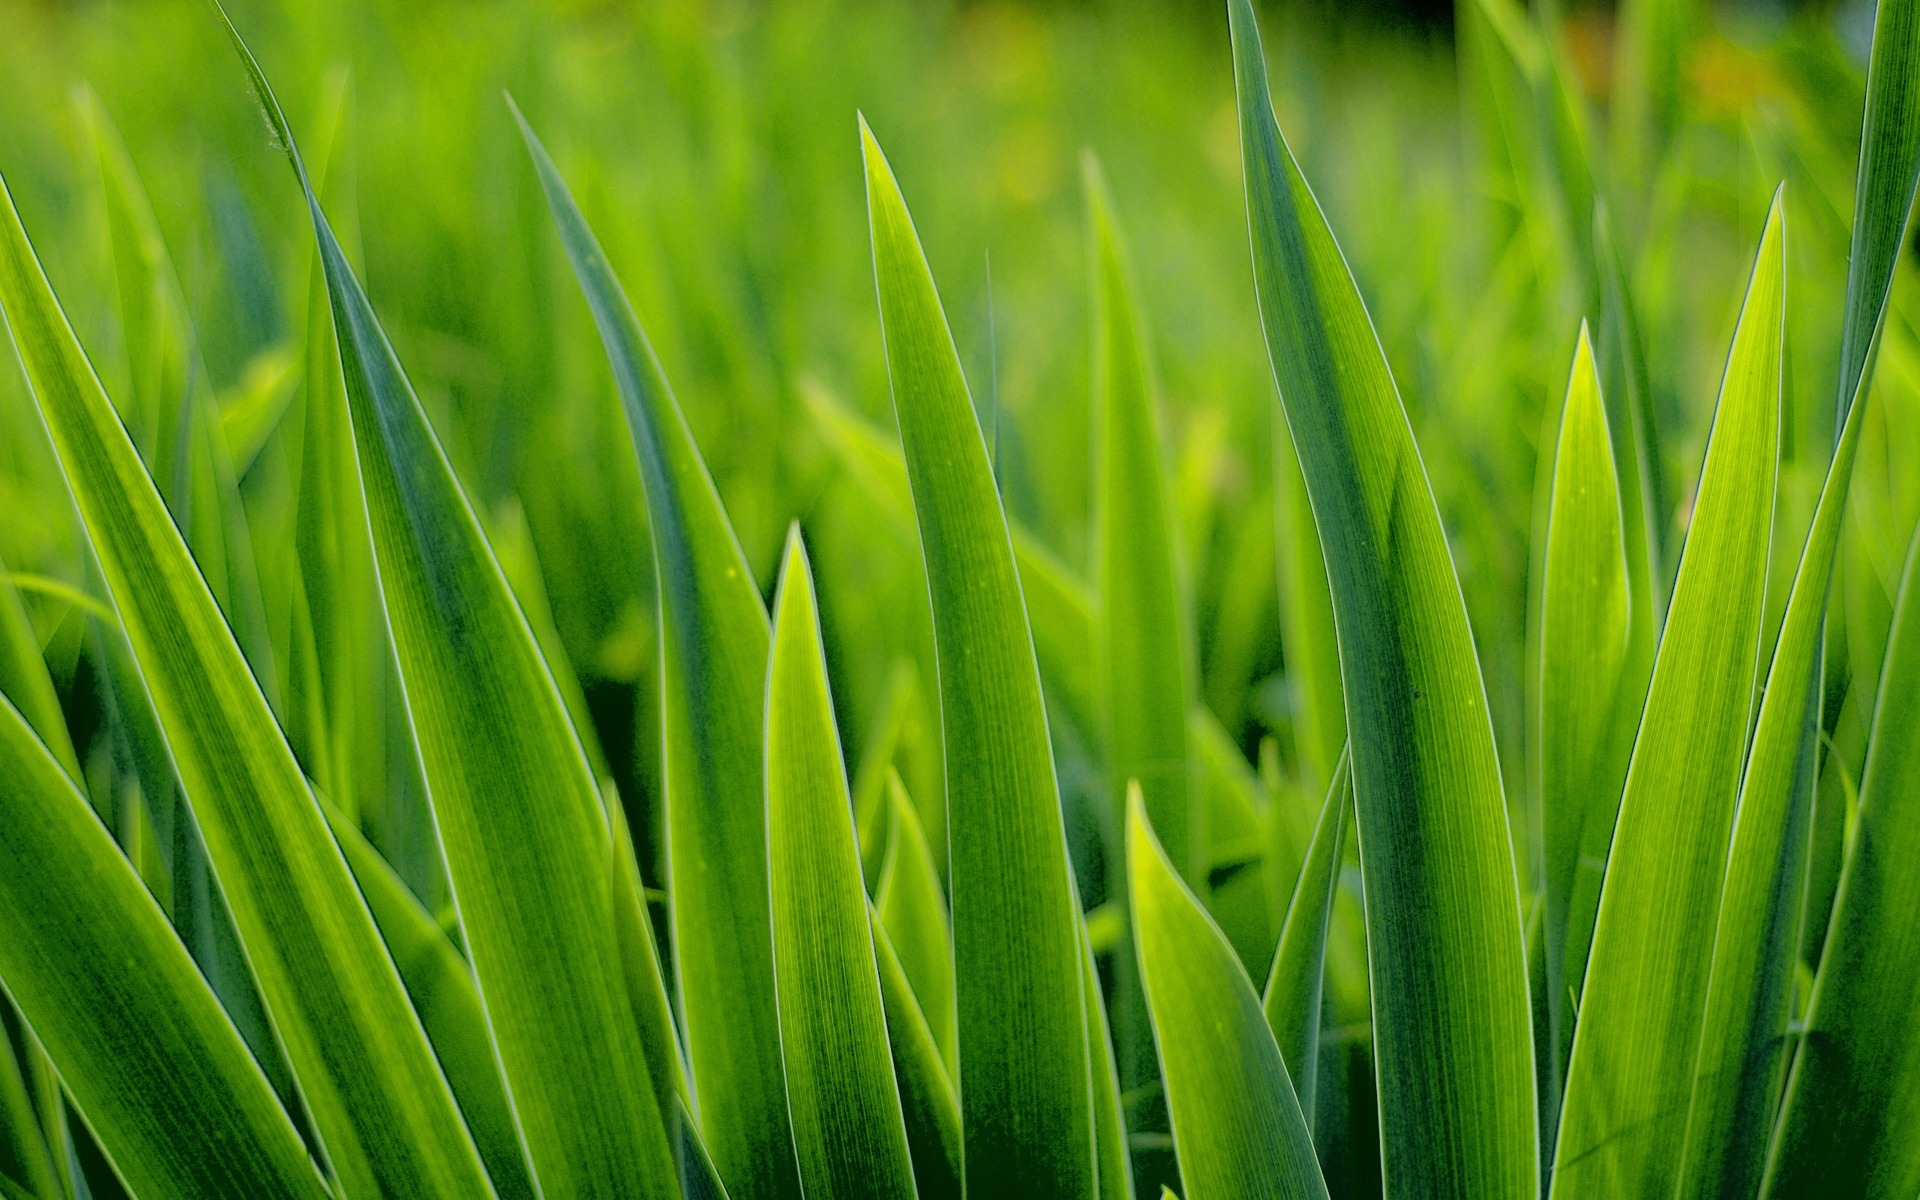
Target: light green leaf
{"points": [[640, 965], [442, 989], [1023, 1037], [1641, 1009], [1586, 724], [927, 1098], [1853, 1097], [150, 1059], [1237, 1127], [847, 1127], [514, 803], [24, 679], [1888, 174], [914, 910], [366, 1072], [1306, 621], [1111, 1157], [1139, 653], [713, 644], [1295, 985], [1453, 1042], [1744, 1037]]}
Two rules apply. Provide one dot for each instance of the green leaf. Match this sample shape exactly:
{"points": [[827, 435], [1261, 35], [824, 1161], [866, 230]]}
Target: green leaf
{"points": [[147, 1054], [1853, 1097], [1756, 947], [927, 1099], [914, 910], [1237, 1127], [1888, 174], [1453, 1041], [1306, 622], [24, 679], [1586, 723], [1641, 1009], [640, 964], [442, 989], [25, 1160], [1139, 653], [514, 801], [1111, 1157], [366, 1072], [847, 1127], [713, 644], [1295, 985], [1023, 1037]]}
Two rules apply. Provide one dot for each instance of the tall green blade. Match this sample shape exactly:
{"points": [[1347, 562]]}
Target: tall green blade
{"points": [[1641, 1009], [514, 803], [1237, 1128], [24, 679], [367, 1075], [148, 1056], [713, 645], [914, 909], [443, 992], [927, 1098], [1888, 172], [1586, 728], [847, 1128], [1139, 652], [1744, 1037], [1024, 1087], [1292, 1000], [1452, 1027], [1111, 1157], [1853, 1098]]}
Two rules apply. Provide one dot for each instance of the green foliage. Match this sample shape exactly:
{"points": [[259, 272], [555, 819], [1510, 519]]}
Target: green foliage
{"points": [[457, 778]]}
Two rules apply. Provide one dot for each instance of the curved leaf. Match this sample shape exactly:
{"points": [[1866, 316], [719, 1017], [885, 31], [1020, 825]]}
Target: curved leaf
{"points": [[847, 1128], [1023, 1038], [1585, 737], [927, 1098], [1452, 1027], [514, 803], [1237, 1127], [1139, 655], [713, 645], [145, 1050], [1853, 1098], [914, 910], [1295, 985], [1630, 1075], [366, 1072]]}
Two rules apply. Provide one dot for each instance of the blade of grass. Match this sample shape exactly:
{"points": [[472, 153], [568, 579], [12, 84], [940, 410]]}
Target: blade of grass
{"points": [[149, 1057], [1295, 985], [1024, 1088], [366, 1072], [914, 909], [714, 640], [1139, 653], [24, 679], [442, 989], [516, 808], [1744, 1037], [1853, 1096], [1237, 1127], [927, 1098], [847, 1127], [26, 1164], [1630, 1074], [1585, 728], [1111, 1158], [1452, 1026]]}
